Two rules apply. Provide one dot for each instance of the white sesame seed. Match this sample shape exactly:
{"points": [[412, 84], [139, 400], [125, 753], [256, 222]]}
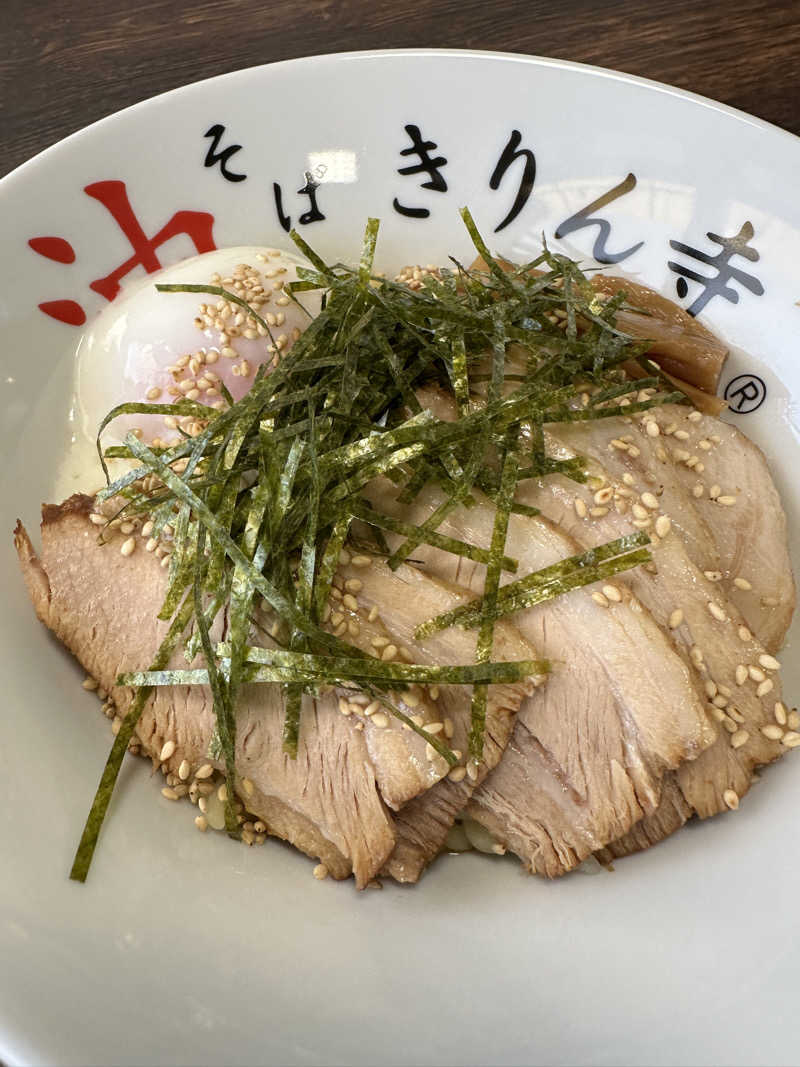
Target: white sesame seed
{"points": [[205, 771], [167, 749], [389, 653], [744, 634], [741, 674], [361, 561], [769, 663], [628, 478], [201, 822], [694, 416], [598, 598], [379, 641], [354, 585], [350, 602], [169, 793], [370, 709], [650, 501], [696, 655], [793, 719], [640, 512], [612, 593], [128, 547], [344, 706], [434, 727], [765, 687], [726, 501], [90, 684], [730, 796], [248, 787], [580, 508], [756, 673], [598, 513], [791, 739], [184, 770], [717, 611], [720, 701], [458, 774], [472, 771], [772, 732], [380, 720], [741, 737], [652, 429], [602, 496], [675, 619], [320, 872], [710, 688], [780, 712], [663, 525]]}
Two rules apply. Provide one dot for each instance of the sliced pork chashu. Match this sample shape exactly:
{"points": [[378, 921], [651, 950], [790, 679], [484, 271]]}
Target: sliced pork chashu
{"points": [[328, 802], [704, 626], [716, 486], [386, 608], [589, 749], [415, 781], [103, 607]]}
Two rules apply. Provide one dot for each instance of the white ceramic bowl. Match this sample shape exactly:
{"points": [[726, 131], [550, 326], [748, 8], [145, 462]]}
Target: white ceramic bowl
{"points": [[184, 949]]}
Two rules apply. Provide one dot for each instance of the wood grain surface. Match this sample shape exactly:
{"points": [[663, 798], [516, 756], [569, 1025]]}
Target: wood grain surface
{"points": [[66, 63]]}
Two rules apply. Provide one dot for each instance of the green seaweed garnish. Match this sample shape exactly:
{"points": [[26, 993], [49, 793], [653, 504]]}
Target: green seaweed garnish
{"points": [[265, 495]]}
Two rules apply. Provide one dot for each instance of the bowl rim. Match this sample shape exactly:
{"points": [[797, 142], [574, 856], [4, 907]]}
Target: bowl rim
{"points": [[334, 58]]}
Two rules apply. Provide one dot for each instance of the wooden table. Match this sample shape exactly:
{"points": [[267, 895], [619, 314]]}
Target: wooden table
{"points": [[64, 64]]}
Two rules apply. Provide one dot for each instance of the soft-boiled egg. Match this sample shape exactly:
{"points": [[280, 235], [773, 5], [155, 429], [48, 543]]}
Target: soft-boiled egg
{"points": [[159, 347]]}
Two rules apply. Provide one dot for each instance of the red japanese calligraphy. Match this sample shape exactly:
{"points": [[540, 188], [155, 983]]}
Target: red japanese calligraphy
{"points": [[55, 248], [67, 311], [113, 195]]}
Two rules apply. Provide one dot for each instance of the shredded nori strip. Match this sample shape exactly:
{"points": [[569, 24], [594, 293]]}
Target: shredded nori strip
{"points": [[594, 565]]}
